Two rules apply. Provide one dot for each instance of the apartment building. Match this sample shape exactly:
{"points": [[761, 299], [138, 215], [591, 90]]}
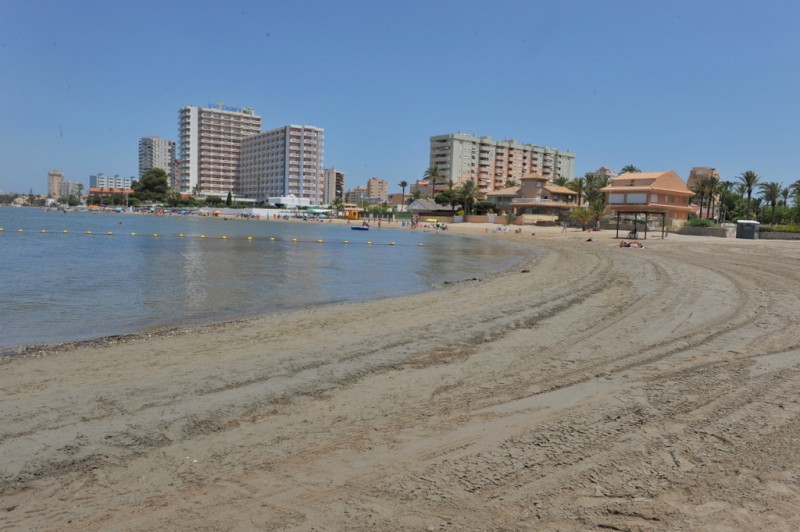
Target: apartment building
{"points": [[69, 188], [377, 189], [209, 145], [155, 152], [106, 182], [491, 163], [54, 180], [334, 185], [282, 162], [357, 195], [698, 173]]}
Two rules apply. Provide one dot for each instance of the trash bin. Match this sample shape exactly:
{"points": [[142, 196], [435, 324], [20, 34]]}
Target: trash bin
{"points": [[747, 229]]}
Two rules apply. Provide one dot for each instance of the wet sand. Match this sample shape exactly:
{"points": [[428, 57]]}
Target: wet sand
{"points": [[597, 387]]}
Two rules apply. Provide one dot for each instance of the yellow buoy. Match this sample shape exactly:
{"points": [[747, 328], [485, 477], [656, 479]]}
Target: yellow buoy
{"points": [[294, 240], [420, 244], [202, 236], [44, 230], [181, 235], [19, 231], [88, 232], [65, 231], [319, 241], [109, 233], [224, 237], [155, 235], [392, 244], [1, 229], [133, 234], [272, 238], [249, 238], [369, 243], [346, 241]]}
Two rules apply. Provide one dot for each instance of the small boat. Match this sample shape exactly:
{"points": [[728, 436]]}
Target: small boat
{"points": [[360, 228]]}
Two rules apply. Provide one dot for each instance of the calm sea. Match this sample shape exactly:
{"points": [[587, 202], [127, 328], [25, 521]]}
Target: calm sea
{"points": [[57, 287]]}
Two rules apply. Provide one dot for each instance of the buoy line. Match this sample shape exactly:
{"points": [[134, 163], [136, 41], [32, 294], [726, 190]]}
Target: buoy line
{"points": [[250, 238]]}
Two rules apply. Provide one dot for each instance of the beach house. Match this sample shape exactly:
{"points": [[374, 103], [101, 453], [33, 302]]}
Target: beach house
{"points": [[661, 194], [535, 199]]}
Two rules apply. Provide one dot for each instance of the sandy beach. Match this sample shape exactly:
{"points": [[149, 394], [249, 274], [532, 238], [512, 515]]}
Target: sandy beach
{"points": [[596, 387]]}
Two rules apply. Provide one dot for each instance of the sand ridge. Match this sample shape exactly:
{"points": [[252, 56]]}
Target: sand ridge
{"points": [[596, 387]]}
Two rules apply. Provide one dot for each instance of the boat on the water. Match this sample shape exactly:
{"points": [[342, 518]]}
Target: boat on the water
{"points": [[363, 227]]}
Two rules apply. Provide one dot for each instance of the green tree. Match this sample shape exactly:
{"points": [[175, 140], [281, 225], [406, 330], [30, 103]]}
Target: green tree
{"points": [[448, 197], [749, 179], [469, 193], [561, 181], [771, 193], [153, 185], [578, 185], [229, 199], [795, 187], [484, 207], [711, 185], [173, 197], [629, 168], [338, 204], [433, 176], [511, 183], [403, 184], [582, 215], [785, 193]]}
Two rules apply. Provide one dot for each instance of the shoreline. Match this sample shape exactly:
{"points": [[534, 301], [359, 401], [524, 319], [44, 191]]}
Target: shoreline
{"points": [[599, 387], [42, 349]]}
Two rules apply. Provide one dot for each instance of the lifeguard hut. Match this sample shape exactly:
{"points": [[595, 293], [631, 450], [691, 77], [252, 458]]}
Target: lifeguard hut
{"points": [[352, 213]]}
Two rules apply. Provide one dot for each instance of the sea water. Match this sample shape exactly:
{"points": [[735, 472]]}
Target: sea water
{"points": [[59, 284]]}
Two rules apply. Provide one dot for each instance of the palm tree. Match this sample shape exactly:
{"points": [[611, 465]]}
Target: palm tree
{"points": [[796, 191], [338, 204], [578, 185], [403, 185], [785, 192], [469, 193], [629, 168], [511, 183], [749, 180], [433, 176], [711, 186], [700, 190], [561, 181], [771, 193]]}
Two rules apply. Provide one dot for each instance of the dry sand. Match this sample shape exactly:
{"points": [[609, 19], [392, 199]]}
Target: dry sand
{"points": [[601, 388]]}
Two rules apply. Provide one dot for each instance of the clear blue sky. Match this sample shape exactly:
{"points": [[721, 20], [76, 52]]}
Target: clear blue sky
{"points": [[662, 85]]}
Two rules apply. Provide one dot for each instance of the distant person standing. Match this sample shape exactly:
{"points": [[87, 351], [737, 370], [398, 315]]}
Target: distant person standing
{"points": [[563, 227]]}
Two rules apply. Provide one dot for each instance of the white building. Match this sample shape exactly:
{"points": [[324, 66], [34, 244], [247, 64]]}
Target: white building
{"points": [[69, 188], [155, 152], [491, 163], [107, 182], [282, 162], [208, 147]]}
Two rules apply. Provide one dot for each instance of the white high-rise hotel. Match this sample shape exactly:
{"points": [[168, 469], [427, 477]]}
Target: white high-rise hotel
{"points": [[283, 161], [208, 147]]}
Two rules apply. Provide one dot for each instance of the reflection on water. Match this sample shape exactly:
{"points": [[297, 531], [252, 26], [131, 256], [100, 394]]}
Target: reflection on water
{"points": [[61, 287]]}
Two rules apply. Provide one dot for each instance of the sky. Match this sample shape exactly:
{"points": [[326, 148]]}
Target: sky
{"points": [[661, 85]]}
